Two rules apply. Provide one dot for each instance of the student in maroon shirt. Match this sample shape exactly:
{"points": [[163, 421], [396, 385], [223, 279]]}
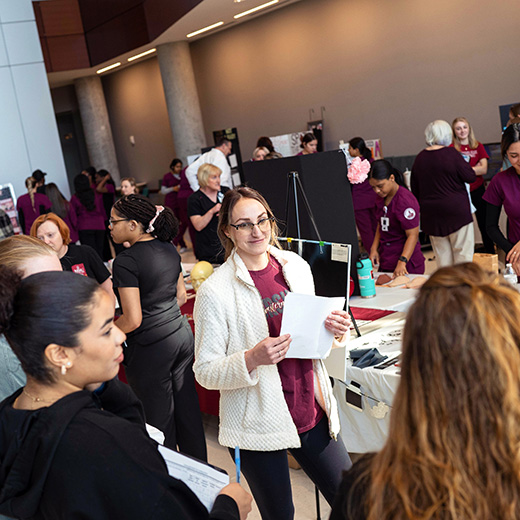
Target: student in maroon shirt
{"points": [[88, 205], [439, 177], [31, 205], [474, 153], [396, 246], [504, 190], [363, 197]]}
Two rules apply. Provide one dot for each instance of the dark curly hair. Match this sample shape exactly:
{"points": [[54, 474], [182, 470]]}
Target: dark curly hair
{"points": [[143, 210]]}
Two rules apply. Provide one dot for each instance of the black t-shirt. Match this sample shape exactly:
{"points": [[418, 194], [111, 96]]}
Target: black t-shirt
{"points": [[84, 260], [154, 267], [207, 243]]}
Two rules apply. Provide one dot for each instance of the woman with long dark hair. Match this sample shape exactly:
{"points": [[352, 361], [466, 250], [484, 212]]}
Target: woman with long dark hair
{"points": [[63, 208], [90, 213], [73, 442], [396, 246], [363, 197], [150, 287], [453, 445]]}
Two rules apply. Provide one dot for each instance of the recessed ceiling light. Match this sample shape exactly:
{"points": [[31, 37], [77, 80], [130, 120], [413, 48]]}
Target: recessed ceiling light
{"points": [[113, 66], [251, 11], [145, 53], [208, 28]]}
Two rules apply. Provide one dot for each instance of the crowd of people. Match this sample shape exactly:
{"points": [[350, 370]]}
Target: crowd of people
{"points": [[65, 417]]}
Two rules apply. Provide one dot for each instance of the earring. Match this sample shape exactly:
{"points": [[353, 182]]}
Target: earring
{"points": [[65, 367]]}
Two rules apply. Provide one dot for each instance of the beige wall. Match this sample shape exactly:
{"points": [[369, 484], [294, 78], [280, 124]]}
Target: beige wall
{"points": [[136, 106], [382, 69]]}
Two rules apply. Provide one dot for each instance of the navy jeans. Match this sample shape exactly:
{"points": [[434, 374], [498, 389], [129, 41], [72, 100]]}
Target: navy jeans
{"points": [[267, 472]]}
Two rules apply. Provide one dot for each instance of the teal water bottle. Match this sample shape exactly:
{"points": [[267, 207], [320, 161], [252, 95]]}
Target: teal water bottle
{"points": [[367, 284]]}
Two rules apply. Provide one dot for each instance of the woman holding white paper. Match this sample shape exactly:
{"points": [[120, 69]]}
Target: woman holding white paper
{"points": [[268, 404]]}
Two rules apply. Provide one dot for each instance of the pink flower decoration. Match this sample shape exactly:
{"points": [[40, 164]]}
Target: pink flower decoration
{"points": [[358, 170]]}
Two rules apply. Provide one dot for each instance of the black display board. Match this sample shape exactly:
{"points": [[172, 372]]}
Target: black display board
{"points": [[330, 274], [324, 179]]}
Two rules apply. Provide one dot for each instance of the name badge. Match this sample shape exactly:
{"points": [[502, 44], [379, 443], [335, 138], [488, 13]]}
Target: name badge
{"points": [[385, 223]]}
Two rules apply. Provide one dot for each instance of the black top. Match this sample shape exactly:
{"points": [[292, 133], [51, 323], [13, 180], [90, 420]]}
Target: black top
{"points": [[90, 457], [350, 501], [207, 243], [438, 182], [84, 260], [154, 267]]}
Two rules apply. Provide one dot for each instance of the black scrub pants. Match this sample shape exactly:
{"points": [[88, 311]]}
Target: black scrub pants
{"points": [[161, 375]]}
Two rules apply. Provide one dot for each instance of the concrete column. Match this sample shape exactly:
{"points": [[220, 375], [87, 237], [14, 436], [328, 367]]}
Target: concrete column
{"points": [[96, 125], [29, 137], [182, 99]]}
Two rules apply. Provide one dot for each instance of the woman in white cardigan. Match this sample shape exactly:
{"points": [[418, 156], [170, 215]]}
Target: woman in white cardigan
{"points": [[268, 404]]}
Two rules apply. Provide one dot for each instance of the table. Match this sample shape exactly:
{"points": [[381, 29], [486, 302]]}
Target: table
{"points": [[388, 298], [361, 431]]}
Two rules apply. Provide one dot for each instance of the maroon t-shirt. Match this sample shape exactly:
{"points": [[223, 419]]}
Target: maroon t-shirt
{"points": [[473, 156], [296, 374]]}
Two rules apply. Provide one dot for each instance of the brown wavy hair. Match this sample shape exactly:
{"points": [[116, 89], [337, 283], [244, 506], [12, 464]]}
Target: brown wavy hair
{"points": [[224, 216], [453, 450]]}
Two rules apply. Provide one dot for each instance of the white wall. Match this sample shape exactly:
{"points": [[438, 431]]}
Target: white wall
{"points": [[28, 133]]}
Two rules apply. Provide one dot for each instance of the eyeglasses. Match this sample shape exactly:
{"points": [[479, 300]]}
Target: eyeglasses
{"points": [[247, 227], [111, 221]]}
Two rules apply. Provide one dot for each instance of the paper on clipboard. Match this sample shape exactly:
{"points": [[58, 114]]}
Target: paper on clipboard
{"points": [[204, 480], [303, 318]]}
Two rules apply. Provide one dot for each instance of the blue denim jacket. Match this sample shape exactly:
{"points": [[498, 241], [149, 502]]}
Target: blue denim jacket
{"points": [[11, 373]]}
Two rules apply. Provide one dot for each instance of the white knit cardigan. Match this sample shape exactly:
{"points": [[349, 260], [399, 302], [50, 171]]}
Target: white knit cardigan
{"points": [[230, 319]]}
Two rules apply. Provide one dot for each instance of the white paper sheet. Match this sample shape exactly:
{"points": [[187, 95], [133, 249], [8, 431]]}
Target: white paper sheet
{"points": [[206, 482], [303, 318]]}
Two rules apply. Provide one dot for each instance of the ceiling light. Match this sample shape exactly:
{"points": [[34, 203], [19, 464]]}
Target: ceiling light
{"points": [[113, 66], [250, 11], [145, 53], [208, 28]]}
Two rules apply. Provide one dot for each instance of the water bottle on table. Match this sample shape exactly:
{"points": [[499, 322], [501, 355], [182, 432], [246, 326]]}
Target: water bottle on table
{"points": [[367, 284]]}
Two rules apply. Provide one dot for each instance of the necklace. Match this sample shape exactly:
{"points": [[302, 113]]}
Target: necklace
{"points": [[37, 399]]}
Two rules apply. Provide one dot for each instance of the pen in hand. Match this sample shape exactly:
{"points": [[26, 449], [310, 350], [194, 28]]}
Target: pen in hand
{"points": [[237, 462]]}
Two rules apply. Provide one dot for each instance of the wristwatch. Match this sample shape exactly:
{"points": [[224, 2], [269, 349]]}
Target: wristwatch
{"points": [[403, 259]]}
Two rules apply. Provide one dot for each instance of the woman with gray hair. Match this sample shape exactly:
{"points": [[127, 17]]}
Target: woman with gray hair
{"points": [[438, 179]]}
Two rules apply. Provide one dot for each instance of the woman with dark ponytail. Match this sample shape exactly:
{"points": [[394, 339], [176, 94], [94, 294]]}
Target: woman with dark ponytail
{"points": [[396, 245], [150, 288], [363, 198], [90, 213], [73, 442]]}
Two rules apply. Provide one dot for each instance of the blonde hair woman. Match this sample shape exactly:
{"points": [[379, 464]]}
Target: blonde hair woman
{"points": [[27, 256], [473, 152], [203, 208]]}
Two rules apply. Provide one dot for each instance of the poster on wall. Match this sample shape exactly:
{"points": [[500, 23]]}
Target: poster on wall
{"points": [[8, 204], [375, 146], [235, 157], [287, 144]]}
